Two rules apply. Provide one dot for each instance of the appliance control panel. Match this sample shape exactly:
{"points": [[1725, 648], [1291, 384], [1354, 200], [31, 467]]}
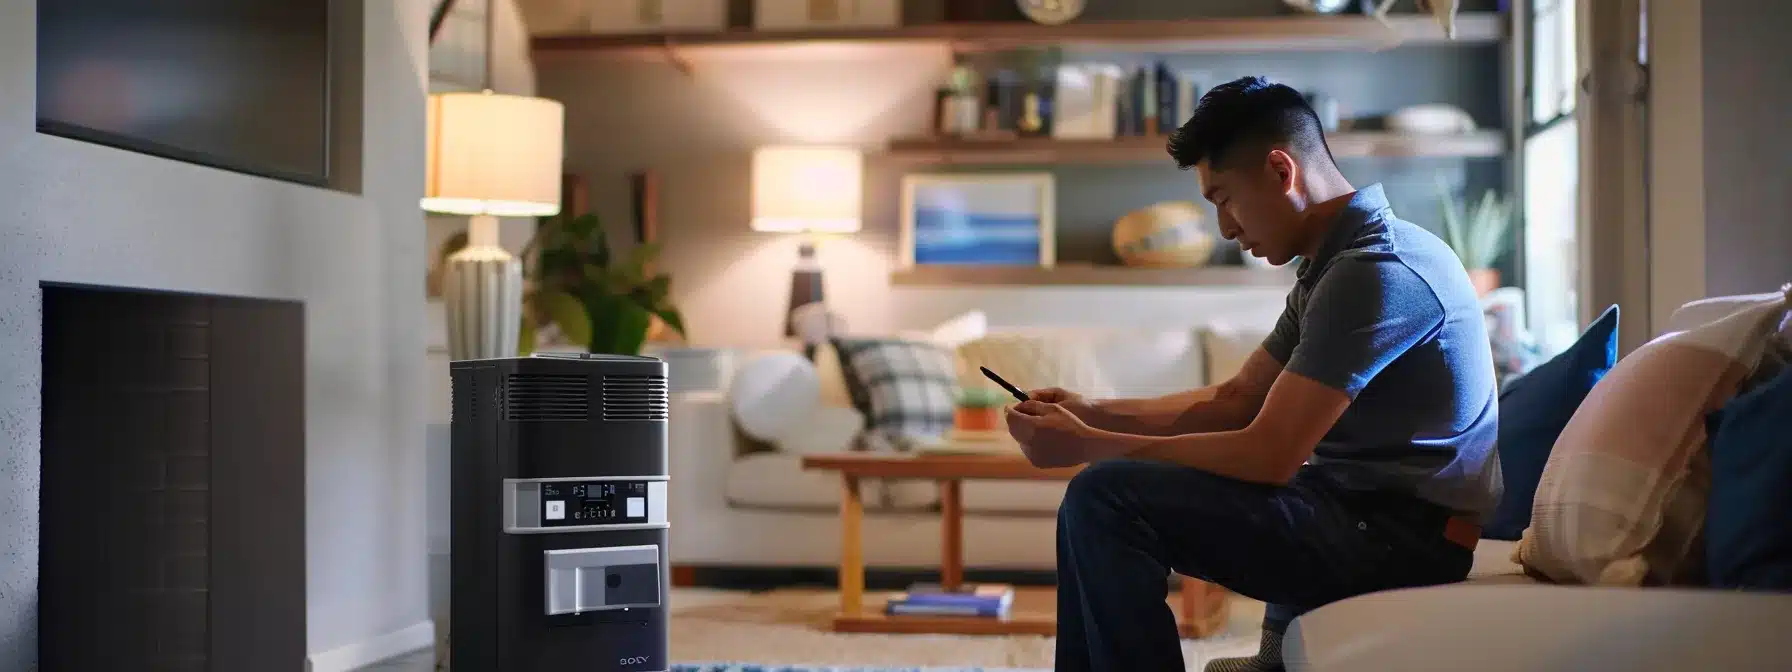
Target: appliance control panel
{"points": [[582, 504], [567, 503]]}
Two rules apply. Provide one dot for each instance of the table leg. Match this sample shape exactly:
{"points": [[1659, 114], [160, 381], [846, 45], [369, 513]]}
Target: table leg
{"points": [[852, 550], [1205, 608], [951, 535]]}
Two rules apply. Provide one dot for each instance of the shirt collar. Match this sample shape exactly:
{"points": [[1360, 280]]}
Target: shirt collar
{"points": [[1368, 204]]}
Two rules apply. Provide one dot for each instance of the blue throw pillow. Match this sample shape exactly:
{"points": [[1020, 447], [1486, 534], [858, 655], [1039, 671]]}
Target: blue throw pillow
{"points": [[1748, 521], [1533, 410]]}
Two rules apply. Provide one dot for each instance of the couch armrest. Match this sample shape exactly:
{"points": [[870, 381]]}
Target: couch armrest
{"points": [[1543, 628], [701, 445]]}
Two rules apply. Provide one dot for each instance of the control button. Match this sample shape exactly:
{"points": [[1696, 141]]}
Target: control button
{"points": [[556, 510], [637, 507]]}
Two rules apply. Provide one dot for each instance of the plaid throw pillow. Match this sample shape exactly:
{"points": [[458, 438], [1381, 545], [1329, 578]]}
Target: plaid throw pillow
{"points": [[905, 389]]}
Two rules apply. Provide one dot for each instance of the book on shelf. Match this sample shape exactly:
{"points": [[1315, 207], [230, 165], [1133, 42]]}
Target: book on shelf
{"points": [[925, 599]]}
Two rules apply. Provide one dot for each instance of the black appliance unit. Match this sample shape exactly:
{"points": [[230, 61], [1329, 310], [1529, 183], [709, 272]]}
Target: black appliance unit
{"points": [[559, 514]]}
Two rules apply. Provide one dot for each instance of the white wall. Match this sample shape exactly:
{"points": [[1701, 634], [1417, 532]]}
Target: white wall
{"points": [[1720, 165], [85, 213]]}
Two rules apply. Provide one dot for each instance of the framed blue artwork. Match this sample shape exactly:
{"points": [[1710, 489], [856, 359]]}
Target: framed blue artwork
{"points": [[986, 219]]}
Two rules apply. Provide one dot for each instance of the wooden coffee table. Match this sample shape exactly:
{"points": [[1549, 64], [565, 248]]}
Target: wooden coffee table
{"points": [[1202, 607]]}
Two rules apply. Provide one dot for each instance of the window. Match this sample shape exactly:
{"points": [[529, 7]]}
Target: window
{"points": [[1550, 165]]}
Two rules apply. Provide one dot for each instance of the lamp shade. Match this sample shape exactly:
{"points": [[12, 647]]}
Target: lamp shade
{"points": [[813, 189], [494, 154]]}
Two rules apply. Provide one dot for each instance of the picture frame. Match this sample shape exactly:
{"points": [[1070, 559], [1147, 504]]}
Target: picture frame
{"points": [[978, 219]]}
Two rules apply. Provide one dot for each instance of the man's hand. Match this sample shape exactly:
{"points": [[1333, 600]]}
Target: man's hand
{"points": [[1071, 401], [1052, 435]]}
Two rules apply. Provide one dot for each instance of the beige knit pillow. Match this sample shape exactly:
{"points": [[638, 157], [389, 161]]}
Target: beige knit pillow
{"points": [[1622, 499], [1032, 361]]}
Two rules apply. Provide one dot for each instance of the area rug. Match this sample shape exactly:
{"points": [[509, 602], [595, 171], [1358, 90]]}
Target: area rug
{"points": [[786, 631], [745, 667]]}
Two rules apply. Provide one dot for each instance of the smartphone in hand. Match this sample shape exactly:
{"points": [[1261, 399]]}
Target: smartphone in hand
{"points": [[1005, 385]]}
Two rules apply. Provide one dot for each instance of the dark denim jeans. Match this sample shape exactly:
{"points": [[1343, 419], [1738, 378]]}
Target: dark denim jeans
{"points": [[1125, 524]]}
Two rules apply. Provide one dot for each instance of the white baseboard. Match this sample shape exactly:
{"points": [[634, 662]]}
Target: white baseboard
{"points": [[384, 647]]}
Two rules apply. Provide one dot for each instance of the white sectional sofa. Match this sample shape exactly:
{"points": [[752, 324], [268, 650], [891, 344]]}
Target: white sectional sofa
{"points": [[737, 504]]}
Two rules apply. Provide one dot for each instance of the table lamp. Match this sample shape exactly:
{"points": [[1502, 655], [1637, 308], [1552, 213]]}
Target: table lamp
{"points": [[490, 155], [812, 191]]}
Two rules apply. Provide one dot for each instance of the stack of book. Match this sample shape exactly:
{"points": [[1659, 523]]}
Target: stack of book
{"points": [[976, 601]]}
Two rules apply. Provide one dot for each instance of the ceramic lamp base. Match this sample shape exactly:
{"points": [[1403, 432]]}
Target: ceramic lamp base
{"points": [[482, 290]]}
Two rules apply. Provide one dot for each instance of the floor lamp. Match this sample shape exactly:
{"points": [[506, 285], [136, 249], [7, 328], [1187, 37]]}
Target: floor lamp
{"points": [[811, 191], [490, 156]]}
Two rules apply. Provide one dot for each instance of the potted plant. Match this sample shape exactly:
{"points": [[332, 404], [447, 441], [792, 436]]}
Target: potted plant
{"points": [[601, 301], [1478, 236], [979, 409]]}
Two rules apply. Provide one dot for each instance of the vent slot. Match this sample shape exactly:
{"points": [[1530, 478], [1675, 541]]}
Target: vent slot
{"points": [[540, 397], [635, 397]]}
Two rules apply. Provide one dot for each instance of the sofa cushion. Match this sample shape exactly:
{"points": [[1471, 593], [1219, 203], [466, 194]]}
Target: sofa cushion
{"points": [[1533, 410], [904, 388], [1023, 498], [1031, 361], [1749, 522], [778, 481], [1623, 494], [1135, 362], [773, 394]]}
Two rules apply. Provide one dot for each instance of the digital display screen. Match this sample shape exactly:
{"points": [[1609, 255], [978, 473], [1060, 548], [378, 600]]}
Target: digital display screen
{"points": [[594, 503]]}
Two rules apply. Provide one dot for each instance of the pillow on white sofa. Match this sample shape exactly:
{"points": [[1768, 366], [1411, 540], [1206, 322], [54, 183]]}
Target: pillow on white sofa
{"points": [[828, 429], [773, 393]]}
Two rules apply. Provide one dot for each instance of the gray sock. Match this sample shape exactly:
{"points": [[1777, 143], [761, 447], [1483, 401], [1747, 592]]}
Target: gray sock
{"points": [[1268, 658]]}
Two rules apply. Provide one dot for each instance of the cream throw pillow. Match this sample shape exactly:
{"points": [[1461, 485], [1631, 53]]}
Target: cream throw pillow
{"points": [[1031, 362], [1622, 499]]}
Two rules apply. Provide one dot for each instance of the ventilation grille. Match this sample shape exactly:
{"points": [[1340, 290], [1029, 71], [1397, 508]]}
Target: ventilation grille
{"points": [[539, 397], [635, 397]]}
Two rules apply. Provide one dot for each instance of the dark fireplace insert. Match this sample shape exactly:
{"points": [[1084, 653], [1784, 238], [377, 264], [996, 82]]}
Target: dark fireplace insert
{"points": [[173, 492]]}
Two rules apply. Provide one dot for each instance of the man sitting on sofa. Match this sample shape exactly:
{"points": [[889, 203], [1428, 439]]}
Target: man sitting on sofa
{"points": [[1354, 452]]}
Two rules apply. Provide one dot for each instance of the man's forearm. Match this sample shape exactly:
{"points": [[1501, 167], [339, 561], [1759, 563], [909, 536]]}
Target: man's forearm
{"points": [[1248, 455], [1208, 409]]}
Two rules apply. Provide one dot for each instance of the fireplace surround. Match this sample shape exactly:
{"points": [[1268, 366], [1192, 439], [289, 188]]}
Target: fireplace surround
{"points": [[173, 482]]}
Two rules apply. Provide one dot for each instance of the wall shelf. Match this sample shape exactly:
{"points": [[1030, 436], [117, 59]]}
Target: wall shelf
{"points": [[1150, 149], [1090, 275], [1290, 32]]}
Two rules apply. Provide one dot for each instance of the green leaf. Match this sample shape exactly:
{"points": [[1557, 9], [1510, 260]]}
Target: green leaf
{"points": [[525, 342], [659, 289], [570, 314], [673, 319]]}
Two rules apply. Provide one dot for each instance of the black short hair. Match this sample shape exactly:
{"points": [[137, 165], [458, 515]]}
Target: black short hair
{"points": [[1251, 113]]}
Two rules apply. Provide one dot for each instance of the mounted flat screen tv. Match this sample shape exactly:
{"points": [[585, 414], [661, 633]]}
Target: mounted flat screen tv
{"points": [[241, 85]]}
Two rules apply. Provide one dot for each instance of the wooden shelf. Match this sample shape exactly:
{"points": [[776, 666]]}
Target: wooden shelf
{"points": [[1150, 148], [1291, 32], [1090, 275]]}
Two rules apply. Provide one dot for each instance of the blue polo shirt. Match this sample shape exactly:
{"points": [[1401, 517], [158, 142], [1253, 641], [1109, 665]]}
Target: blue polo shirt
{"points": [[1385, 313]]}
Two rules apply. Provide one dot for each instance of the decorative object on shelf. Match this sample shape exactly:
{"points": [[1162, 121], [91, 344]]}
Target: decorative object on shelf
{"points": [[599, 301], [960, 106], [1443, 11], [812, 191], [1430, 119], [978, 219], [1326, 107], [610, 17], [979, 409], [458, 50], [812, 14], [1478, 236], [1051, 12], [1318, 6], [1169, 234]]}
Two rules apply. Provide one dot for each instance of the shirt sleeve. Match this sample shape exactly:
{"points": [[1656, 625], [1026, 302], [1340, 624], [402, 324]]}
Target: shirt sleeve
{"points": [[1362, 315], [1280, 342]]}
